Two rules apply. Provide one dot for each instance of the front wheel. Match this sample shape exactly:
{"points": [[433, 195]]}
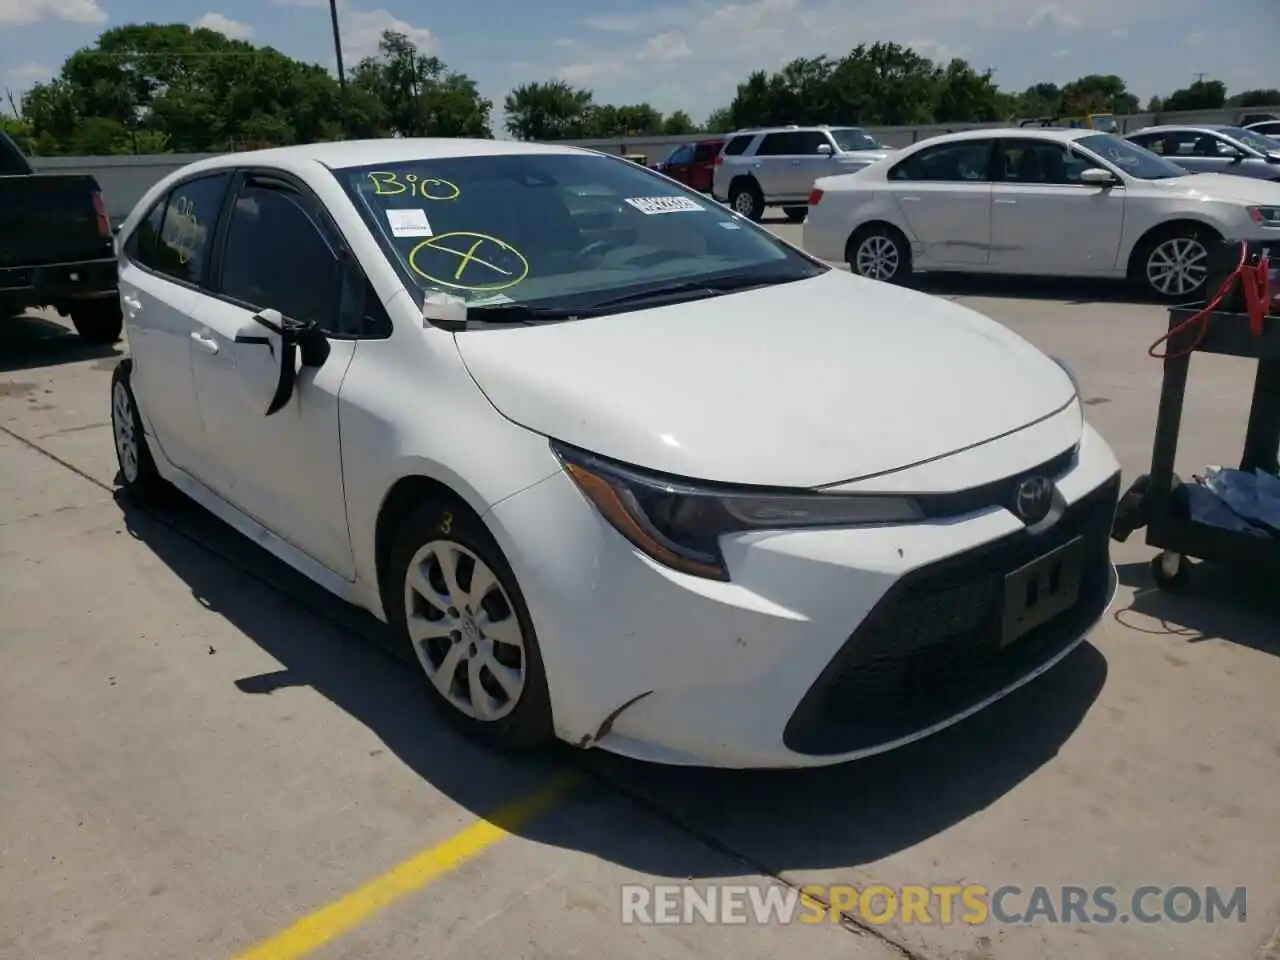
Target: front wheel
{"points": [[1174, 267], [880, 254], [454, 600], [138, 474]]}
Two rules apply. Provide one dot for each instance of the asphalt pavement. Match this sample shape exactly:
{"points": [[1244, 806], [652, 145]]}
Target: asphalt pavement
{"points": [[202, 757]]}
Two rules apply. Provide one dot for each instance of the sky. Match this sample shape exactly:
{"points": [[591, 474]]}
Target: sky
{"points": [[691, 55]]}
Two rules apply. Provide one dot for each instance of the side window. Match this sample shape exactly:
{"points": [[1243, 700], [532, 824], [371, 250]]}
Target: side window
{"points": [[277, 256], [187, 230], [705, 152], [682, 155], [806, 143], [1151, 141], [775, 145], [1043, 162], [737, 146], [141, 245], [967, 161]]}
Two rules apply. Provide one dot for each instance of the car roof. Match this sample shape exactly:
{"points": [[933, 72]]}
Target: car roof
{"points": [[1060, 134], [1186, 128], [355, 153], [792, 128]]}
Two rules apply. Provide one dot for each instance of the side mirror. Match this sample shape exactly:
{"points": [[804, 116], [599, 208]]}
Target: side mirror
{"points": [[270, 349], [825, 150], [1097, 177]]}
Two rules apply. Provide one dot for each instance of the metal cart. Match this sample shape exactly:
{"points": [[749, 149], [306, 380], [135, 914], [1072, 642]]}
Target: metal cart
{"points": [[1179, 537]]}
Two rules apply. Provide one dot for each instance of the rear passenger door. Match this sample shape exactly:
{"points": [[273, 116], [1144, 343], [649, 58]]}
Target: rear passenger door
{"points": [[165, 262], [944, 194]]}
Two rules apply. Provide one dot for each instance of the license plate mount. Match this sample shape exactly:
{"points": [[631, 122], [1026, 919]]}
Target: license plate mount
{"points": [[1038, 591]]}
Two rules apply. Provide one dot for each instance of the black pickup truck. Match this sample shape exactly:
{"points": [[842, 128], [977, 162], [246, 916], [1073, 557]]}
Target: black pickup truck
{"points": [[57, 248]]}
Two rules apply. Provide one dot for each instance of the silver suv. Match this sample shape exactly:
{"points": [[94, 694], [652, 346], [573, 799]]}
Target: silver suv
{"points": [[1214, 148], [776, 167]]}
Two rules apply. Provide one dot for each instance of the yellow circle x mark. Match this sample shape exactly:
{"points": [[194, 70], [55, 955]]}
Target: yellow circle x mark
{"points": [[476, 253]]}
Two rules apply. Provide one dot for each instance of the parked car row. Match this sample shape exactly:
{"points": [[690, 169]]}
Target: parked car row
{"points": [[1053, 202]]}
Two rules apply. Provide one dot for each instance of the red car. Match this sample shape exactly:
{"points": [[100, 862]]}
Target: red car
{"points": [[692, 163]]}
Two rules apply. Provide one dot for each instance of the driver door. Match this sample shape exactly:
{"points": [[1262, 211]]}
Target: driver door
{"points": [[281, 252]]}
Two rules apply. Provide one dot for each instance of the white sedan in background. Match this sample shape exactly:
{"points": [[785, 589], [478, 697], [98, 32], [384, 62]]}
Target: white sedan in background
{"points": [[1067, 203], [617, 465]]}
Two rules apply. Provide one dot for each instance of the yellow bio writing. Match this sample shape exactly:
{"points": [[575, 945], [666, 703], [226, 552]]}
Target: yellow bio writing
{"points": [[388, 183], [469, 261], [879, 904]]}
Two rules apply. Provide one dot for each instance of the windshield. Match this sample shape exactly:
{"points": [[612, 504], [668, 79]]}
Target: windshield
{"points": [[557, 231], [1136, 161], [1250, 138], [853, 138]]}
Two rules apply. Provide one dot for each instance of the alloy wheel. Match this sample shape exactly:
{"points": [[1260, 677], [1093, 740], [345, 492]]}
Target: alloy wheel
{"points": [[464, 630], [1178, 266], [744, 203], [877, 258], [126, 437]]}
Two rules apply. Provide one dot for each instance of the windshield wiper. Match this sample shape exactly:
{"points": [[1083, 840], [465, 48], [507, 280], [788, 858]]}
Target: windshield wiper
{"points": [[519, 313], [711, 287]]}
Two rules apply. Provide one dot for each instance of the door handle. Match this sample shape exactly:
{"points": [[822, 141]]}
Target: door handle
{"points": [[795, 163], [207, 344], [910, 199], [131, 302], [1006, 201]]}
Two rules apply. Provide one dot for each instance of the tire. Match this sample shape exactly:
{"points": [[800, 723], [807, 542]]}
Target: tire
{"points": [[139, 478], [455, 632], [796, 214], [98, 321], [745, 198], [1158, 256], [879, 253]]}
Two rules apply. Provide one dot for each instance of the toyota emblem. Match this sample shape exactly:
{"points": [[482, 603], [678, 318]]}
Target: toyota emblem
{"points": [[1033, 499]]}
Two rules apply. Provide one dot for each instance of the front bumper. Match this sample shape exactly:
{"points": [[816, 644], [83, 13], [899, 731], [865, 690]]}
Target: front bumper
{"points": [[827, 645]]}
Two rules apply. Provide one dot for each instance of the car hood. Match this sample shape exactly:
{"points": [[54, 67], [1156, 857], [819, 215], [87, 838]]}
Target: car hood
{"points": [[1222, 186], [801, 384]]}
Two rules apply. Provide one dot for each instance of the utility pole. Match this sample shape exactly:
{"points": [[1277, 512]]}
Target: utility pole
{"points": [[342, 76], [1200, 78]]}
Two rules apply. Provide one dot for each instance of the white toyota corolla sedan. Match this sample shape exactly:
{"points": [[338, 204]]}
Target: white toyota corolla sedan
{"points": [[618, 465], [1037, 202]]}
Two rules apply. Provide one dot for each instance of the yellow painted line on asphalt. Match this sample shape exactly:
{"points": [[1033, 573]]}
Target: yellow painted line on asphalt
{"points": [[330, 922]]}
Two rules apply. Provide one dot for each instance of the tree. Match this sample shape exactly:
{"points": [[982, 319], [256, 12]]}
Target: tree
{"points": [[416, 95], [1201, 95], [1097, 93], [194, 90], [678, 124], [1155, 105], [1255, 98], [965, 95], [547, 111], [720, 121]]}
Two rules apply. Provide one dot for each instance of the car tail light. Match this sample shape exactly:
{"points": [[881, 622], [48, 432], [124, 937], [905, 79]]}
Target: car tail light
{"points": [[815, 198], [100, 210]]}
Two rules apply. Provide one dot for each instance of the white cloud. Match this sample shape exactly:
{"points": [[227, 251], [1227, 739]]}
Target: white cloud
{"points": [[663, 48], [1118, 34], [1194, 40], [20, 13], [18, 80], [1061, 54], [231, 29], [362, 29], [721, 41]]}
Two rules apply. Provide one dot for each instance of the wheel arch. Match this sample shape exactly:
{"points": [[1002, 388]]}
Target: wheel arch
{"points": [[1168, 227], [745, 180]]}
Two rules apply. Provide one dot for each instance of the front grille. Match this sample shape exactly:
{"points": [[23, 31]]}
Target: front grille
{"points": [[929, 649]]}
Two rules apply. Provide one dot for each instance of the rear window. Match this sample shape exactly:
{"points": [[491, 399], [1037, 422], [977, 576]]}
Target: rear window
{"points": [[555, 230], [737, 146]]}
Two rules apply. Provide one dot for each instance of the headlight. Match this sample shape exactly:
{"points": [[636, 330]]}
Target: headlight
{"points": [[1265, 216], [679, 523]]}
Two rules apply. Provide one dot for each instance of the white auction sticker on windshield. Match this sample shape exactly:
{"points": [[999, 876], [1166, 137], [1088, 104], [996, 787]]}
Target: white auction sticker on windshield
{"points": [[651, 205], [409, 223]]}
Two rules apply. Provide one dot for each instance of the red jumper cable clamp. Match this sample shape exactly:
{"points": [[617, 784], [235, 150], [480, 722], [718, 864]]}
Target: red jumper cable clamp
{"points": [[1255, 293]]}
